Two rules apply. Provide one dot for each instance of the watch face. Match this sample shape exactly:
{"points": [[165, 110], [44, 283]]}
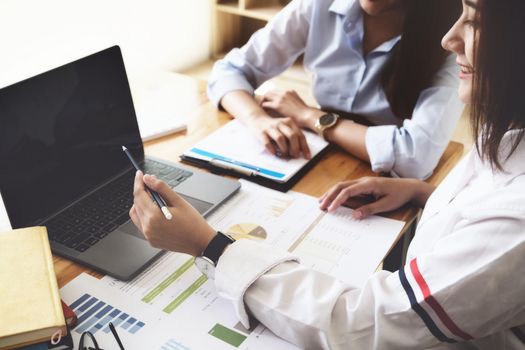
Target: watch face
{"points": [[327, 119], [205, 266]]}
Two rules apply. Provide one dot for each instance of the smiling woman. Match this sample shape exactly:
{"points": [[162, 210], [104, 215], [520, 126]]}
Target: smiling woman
{"points": [[461, 285], [497, 97]]}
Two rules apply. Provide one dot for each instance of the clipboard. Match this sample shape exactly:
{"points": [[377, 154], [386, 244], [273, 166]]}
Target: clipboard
{"points": [[232, 150]]}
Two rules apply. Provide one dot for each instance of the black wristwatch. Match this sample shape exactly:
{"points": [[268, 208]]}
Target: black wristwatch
{"points": [[210, 256]]}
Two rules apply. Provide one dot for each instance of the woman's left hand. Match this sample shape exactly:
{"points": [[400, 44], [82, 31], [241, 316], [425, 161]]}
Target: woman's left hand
{"points": [[289, 104], [187, 232], [389, 194]]}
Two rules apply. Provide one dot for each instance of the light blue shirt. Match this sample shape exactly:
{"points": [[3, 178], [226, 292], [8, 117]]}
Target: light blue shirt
{"points": [[330, 35]]}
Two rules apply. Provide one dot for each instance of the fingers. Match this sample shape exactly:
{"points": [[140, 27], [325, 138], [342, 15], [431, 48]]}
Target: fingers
{"points": [[296, 139], [341, 192], [268, 144], [162, 188], [293, 139], [382, 205], [269, 103], [141, 199], [285, 138], [270, 100], [135, 218], [359, 188], [279, 139], [328, 198], [304, 147], [138, 184]]}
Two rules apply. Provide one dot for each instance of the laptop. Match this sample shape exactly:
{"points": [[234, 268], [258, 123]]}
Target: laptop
{"points": [[62, 164]]}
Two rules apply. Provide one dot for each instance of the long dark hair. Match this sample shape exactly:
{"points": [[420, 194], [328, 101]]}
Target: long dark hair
{"points": [[497, 96], [419, 55]]}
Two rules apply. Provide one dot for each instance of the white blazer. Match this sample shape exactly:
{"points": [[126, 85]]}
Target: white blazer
{"points": [[462, 286]]}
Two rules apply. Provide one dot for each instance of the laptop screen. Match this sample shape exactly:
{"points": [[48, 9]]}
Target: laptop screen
{"points": [[61, 134]]}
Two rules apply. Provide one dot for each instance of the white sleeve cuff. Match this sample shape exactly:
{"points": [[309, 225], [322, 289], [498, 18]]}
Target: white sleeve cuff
{"points": [[240, 266], [379, 141], [227, 83]]}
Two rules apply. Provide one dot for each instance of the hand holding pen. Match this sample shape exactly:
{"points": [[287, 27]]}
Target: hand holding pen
{"points": [[156, 197]]}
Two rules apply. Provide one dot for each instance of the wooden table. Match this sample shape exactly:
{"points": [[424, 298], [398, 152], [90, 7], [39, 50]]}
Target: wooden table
{"points": [[204, 118]]}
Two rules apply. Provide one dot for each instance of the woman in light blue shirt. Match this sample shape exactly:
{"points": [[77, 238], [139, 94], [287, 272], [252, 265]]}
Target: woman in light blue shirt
{"points": [[378, 63]]}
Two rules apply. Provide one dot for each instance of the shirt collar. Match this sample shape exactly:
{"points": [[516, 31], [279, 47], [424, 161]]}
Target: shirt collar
{"points": [[388, 45], [353, 12]]}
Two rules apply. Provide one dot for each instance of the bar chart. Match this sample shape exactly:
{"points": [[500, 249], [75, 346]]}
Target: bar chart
{"points": [[172, 344], [94, 315]]}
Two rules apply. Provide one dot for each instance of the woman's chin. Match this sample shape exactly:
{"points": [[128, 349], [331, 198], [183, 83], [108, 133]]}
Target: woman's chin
{"points": [[465, 94]]}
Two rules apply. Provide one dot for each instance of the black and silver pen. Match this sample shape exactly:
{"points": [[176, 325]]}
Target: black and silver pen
{"points": [[156, 197], [115, 334]]}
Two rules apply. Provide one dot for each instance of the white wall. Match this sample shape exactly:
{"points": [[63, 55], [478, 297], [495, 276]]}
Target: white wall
{"points": [[154, 35]]}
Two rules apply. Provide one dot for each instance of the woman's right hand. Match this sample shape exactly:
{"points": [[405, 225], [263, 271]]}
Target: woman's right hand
{"points": [[388, 194], [280, 136], [187, 232]]}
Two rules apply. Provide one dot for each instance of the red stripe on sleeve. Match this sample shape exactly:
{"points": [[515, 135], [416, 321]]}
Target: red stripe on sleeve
{"points": [[434, 304]]}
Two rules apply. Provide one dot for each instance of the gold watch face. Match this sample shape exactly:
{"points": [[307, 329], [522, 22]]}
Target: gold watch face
{"points": [[327, 119]]}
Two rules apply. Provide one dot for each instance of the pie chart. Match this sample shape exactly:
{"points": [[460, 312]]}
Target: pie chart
{"points": [[247, 231]]}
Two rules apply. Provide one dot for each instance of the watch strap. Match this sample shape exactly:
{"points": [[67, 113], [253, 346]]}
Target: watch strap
{"points": [[216, 247]]}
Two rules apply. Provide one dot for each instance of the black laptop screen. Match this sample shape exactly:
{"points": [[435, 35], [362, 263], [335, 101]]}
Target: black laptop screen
{"points": [[61, 134]]}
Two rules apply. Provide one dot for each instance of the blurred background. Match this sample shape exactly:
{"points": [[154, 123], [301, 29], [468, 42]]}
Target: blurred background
{"points": [[154, 35]]}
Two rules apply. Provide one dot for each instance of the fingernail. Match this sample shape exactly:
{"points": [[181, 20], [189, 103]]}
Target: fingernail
{"points": [[358, 214]]}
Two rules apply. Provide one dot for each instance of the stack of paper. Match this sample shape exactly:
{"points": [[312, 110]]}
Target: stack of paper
{"points": [[157, 111]]}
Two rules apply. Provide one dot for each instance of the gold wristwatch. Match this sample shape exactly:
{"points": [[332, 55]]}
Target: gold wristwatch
{"points": [[324, 122]]}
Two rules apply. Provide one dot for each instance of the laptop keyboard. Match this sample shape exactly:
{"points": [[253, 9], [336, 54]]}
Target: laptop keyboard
{"points": [[85, 223]]}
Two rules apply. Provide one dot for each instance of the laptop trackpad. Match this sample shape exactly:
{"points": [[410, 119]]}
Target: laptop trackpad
{"points": [[130, 228], [201, 206], [120, 254]]}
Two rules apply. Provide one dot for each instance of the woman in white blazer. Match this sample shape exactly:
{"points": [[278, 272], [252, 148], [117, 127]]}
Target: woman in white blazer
{"points": [[462, 285]]}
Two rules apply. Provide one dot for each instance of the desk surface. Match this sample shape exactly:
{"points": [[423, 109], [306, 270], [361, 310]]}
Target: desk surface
{"points": [[203, 118]]}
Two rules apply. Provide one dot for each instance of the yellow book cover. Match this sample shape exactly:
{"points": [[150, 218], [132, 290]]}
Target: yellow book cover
{"points": [[30, 306]]}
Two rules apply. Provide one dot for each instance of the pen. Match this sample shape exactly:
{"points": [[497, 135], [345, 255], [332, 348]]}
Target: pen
{"points": [[114, 331], [233, 166], [156, 197]]}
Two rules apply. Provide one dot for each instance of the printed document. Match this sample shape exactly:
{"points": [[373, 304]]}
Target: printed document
{"points": [[233, 145], [172, 305]]}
